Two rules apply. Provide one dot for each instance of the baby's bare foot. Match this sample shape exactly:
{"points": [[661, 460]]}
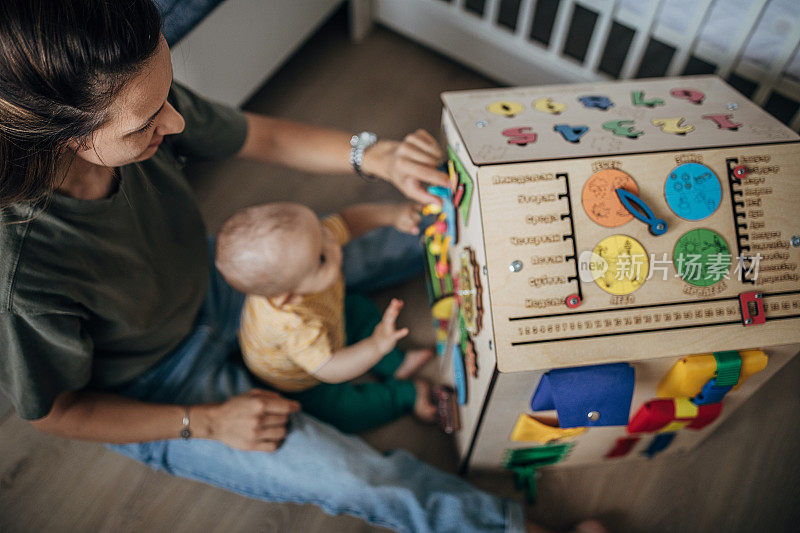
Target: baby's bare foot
{"points": [[414, 360], [424, 408]]}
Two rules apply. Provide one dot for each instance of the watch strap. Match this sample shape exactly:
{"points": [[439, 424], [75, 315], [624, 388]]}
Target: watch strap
{"points": [[359, 144]]}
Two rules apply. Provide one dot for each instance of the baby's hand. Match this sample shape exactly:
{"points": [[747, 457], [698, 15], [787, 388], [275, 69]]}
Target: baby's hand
{"points": [[406, 217], [385, 335]]}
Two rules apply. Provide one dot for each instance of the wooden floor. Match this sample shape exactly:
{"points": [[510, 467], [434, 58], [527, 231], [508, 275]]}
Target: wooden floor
{"points": [[745, 477]]}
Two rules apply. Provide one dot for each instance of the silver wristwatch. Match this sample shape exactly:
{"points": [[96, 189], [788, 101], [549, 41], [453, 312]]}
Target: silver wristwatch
{"points": [[359, 144]]}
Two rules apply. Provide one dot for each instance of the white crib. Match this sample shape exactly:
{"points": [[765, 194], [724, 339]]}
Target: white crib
{"points": [[751, 43]]}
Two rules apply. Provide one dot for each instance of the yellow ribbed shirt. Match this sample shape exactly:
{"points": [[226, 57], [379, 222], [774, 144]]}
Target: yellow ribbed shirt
{"points": [[284, 345]]}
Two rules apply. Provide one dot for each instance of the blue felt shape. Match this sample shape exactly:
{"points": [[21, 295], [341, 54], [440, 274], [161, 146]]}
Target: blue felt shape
{"points": [[459, 375], [576, 392], [659, 443], [543, 397], [711, 393], [447, 207]]}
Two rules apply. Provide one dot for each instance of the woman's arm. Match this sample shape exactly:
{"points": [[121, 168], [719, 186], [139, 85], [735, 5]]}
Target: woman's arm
{"points": [[409, 165], [255, 420]]}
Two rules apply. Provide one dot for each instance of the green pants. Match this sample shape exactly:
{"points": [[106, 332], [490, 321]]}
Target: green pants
{"points": [[354, 407]]}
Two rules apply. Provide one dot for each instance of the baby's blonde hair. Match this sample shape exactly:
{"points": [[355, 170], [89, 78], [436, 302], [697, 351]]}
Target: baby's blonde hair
{"points": [[254, 248]]}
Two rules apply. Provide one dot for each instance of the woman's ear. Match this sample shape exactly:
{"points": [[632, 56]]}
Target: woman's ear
{"points": [[79, 146]]}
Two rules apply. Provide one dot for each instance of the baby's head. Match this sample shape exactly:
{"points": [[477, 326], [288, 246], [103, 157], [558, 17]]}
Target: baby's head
{"points": [[278, 249]]}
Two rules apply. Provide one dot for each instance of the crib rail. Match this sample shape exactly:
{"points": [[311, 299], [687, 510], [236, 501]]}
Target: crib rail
{"points": [[524, 42]]}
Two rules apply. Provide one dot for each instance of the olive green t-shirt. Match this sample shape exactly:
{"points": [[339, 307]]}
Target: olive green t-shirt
{"points": [[94, 292]]}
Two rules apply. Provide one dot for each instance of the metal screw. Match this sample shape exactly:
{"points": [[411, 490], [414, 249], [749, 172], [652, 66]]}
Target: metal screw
{"points": [[484, 270], [594, 416], [515, 265], [481, 123], [757, 296], [795, 241], [748, 321], [732, 106]]}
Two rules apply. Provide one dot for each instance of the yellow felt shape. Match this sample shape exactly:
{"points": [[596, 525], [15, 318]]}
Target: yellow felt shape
{"points": [[687, 377], [443, 309], [677, 425], [685, 408], [529, 429]]}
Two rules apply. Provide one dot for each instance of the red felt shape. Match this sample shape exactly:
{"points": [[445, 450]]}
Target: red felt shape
{"points": [[658, 412], [705, 415], [622, 447], [652, 416]]}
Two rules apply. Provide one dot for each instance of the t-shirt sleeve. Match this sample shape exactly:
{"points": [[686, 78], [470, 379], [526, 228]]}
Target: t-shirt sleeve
{"points": [[308, 346], [43, 355], [338, 227], [212, 130]]}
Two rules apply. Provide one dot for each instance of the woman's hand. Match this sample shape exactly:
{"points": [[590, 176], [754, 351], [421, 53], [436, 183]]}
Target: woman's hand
{"points": [[409, 165], [255, 420]]}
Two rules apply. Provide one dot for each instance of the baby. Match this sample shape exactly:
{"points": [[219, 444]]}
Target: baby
{"points": [[301, 333]]}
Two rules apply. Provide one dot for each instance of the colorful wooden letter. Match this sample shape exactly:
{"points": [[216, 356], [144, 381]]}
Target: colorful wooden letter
{"points": [[622, 128], [723, 121], [693, 95], [506, 108], [571, 134], [520, 136], [547, 105], [596, 102], [638, 99], [672, 125]]}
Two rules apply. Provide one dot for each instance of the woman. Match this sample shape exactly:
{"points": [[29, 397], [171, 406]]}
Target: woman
{"points": [[115, 324]]}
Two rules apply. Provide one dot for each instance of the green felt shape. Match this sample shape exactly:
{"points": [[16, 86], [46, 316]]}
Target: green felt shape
{"points": [[466, 200], [729, 368], [524, 462]]}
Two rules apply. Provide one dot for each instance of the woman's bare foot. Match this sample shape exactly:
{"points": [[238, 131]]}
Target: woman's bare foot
{"points": [[590, 526], [424, 408], [414, 360]]}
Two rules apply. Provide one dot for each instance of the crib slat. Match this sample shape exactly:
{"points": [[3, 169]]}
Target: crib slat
{"points": [[640, 40], [740, 38], [600, 35], [525, 19], [779, 63], [795, 123], [687, 42], [560, 27], [490, 11]]}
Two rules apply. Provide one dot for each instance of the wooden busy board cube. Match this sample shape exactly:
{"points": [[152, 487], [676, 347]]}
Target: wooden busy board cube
{"points": [[600, 234]]}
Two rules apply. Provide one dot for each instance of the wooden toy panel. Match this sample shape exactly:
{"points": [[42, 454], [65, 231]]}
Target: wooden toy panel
{"points": [[512, 393], [470, 236], [553, 122], [539, 238]]}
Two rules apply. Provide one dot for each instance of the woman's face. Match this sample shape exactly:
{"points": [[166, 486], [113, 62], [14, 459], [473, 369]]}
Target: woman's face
{"points": [[139, 117]]}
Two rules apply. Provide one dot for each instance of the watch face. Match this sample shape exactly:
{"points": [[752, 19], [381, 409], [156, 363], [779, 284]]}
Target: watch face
{"points": [[365, 138]]}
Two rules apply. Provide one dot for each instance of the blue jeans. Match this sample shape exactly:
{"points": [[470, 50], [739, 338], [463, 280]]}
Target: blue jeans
{"points": [[316, 463]]}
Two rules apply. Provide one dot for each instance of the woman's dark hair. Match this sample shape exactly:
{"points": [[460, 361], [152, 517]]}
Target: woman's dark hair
{"points": [[62, 62]]}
